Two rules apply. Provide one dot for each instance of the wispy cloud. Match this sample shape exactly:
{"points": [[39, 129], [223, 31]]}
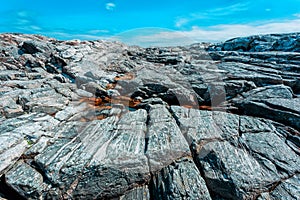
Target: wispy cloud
{"points": [[71, 36], [24, 20], [110, 6], [213, 33], [23, 14], [30, 28], [231, 8], [297, 15], [213, 13], [98, 31], [181, 22]]}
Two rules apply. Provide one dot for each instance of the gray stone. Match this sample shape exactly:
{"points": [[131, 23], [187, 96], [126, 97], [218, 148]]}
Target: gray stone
{"points": [[268, 92], [232, 172], [101, 152], [94, 88], [33, 47], [200, 127], [70, 111], [141, 193], [165, 143], [288, 189], [179, 180], [280, 110], [261, 43], [9, 107], [12, 146], [25, 180], [267, 145], [45, 100]]}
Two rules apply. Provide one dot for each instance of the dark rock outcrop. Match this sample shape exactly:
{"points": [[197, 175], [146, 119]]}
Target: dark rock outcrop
{"points": [[260, 43], [103, 120]]}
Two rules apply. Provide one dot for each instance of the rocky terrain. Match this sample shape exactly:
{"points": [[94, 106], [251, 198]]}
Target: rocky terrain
{"points": [[102, 120]]}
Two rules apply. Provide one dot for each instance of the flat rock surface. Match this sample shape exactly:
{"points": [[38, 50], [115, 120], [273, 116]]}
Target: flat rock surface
{"points": [[103, 120]]}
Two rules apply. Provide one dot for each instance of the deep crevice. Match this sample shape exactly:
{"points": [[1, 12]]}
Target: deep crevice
{"points": [[34, 165], [8, 192], [150, 186], [275, 184], [193, 148], [281, 108], [239, 128]]}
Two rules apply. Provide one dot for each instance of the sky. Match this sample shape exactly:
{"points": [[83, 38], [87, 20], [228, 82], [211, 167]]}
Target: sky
{"points": [[150, 23]]}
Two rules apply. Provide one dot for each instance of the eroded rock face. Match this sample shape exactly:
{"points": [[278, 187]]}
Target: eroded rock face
{"points": [[102, 120], [259, 43]]}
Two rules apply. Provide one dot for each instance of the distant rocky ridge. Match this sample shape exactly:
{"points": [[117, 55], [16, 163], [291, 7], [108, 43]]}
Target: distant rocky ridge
{"points": [[103, 120]]}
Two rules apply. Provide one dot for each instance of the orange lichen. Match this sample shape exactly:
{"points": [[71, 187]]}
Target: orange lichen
{"points": [[205, 107], [127, 76], [105, 103], [94, 101], [100, 117], [110, 86], [188, 106], [134, 103]]}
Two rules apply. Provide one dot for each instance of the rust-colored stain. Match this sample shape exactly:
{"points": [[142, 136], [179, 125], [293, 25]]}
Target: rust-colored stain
{"points": [[110, 86], [188, 106], [82, 119], [127, 76], [105, 103], [102, 103], [204, 107], [201, 107], [100, 117], [53, 114]]}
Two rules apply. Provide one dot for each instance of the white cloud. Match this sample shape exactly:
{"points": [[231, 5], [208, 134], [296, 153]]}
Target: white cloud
{"points": [[23, 14], [232, 8], [212, 34], [213, 13], [110, 6], [181, 22], [35, 28], [72, 36], [98, 31], [297, 15], [22, 21]]}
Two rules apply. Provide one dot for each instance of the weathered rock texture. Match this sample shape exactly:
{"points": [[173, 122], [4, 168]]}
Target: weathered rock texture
{"points": [[102, 120]]}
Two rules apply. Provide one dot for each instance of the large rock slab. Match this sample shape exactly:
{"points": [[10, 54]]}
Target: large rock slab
{"points": [[180, 180], [45, 100], [287, 189], [281, 159], [26, 181], [200, 127], [281, 110], [165, 142], [232, 172], [18, 134], [141, 193], [104, 159], [261, 43]]}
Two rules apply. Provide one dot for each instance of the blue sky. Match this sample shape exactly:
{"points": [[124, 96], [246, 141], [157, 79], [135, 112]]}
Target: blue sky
{"points": [[155, 22]]}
